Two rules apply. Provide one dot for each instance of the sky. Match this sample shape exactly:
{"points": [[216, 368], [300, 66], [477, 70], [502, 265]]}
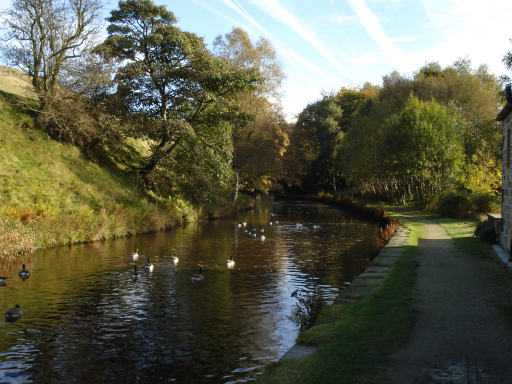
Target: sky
{"points": [[324, 45]]}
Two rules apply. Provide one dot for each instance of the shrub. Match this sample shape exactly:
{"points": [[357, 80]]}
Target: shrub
{"points": [[485, 232], [459, 204]]}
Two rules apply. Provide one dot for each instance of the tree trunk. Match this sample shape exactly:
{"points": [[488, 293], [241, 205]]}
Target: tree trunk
{"points": [[235, 192]]}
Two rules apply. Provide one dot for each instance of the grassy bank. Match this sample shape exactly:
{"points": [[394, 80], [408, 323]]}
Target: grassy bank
{"points": [[354, 340], [52, 194]]}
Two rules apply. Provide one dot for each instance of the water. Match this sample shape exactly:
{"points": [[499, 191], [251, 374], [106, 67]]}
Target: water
{"points": [[87, 320]]}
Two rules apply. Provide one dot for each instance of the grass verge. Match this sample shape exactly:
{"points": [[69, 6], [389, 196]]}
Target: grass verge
{"points": [[354, 340]]}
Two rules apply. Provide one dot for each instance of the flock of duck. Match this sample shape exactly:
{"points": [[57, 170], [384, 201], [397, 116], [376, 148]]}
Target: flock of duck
{"points": [[148, 266], [14, 313]]}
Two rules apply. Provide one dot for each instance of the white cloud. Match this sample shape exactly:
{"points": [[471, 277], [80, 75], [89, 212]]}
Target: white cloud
{"points": [[280, 13], [371, 23], [404, 39], [341, 19]]}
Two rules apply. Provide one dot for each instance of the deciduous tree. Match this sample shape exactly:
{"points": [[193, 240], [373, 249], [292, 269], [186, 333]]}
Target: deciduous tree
{"points": [[174, 90], [45, 35]]}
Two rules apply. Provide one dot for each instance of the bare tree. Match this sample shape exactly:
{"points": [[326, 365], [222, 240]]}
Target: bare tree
{"points": [[44, 35]]}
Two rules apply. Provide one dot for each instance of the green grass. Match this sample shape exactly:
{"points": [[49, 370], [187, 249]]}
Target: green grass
{"points": [[462, 232], [355, 340], [51, 194]]}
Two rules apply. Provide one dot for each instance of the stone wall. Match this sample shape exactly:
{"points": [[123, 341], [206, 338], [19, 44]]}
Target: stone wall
{"points": [[506, 205]]}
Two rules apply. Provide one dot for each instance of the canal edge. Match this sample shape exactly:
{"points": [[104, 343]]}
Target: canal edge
{"points": [[364, 284]]}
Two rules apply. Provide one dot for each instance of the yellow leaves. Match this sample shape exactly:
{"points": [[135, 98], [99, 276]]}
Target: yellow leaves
{"points": [[483, 173]]}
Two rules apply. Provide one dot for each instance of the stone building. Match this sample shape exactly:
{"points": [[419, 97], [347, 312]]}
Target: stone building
{"points": [[505, 116]]}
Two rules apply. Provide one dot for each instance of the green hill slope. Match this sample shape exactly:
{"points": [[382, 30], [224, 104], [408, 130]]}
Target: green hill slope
{"points": [[51, 194]]}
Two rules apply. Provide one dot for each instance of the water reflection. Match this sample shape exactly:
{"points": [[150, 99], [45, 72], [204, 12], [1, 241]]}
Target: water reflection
{"points": [[87, 320]]}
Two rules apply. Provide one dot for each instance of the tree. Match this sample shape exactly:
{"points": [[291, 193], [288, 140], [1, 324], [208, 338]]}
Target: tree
{"points": [[507, 60], [258, 125], [174, 91], [421, 150], [315, 140], [45, 35]]}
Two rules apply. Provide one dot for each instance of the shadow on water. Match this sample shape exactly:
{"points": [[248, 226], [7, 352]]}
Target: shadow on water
{"points": [[87, 320]]}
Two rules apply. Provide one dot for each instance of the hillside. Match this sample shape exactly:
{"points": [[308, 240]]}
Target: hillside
{"points": [[52, 194], [16, 82]]}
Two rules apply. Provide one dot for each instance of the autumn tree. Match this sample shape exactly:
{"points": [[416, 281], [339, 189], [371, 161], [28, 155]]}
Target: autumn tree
{"points": [[258, 125]]}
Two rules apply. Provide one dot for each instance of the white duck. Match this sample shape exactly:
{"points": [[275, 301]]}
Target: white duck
{"points": [[134, 255], [174, 258], [230, 263]]}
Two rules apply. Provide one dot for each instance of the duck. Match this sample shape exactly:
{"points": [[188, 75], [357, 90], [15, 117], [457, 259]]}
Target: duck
{"points": [[244, 223], [239, 225], [271, 223], [148, 265], [315, 226], [276, 222], [2, 281], [135, 273], [24, 273], [134, 255], [13, 314], [198, 276], [174, 258], [262, 237], [298, 225], [230, 263], [262, 230]]}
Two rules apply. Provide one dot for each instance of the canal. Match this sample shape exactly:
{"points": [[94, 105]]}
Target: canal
{"points": [[86, 319]]}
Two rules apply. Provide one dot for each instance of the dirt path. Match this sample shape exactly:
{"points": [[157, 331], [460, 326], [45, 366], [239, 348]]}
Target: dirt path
{"points": [[459, 337]]}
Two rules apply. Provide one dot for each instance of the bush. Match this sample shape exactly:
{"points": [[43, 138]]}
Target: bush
{"points": [[485, 232], [459, 204]]}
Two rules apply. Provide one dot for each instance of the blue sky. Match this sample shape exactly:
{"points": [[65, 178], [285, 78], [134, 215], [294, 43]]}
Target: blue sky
{"points": [[326, 44]]}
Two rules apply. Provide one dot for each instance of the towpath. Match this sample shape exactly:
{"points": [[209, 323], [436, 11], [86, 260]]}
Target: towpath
{"points": [[460, 335]]}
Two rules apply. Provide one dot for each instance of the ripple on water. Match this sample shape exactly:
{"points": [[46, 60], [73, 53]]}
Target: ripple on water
{"points": [[87, 319]]}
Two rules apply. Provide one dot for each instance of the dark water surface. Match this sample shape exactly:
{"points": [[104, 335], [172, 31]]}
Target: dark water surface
{"points": [[87, 321]]}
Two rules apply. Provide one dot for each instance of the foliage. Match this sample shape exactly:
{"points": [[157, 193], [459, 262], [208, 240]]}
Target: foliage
{"points": [[314, 143], [414, 154], [448, 141], [507, 60], [461, 205], [258, 126], [485, 231], [482, 173], [307, 308], [46, 35], [174, 94]]}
